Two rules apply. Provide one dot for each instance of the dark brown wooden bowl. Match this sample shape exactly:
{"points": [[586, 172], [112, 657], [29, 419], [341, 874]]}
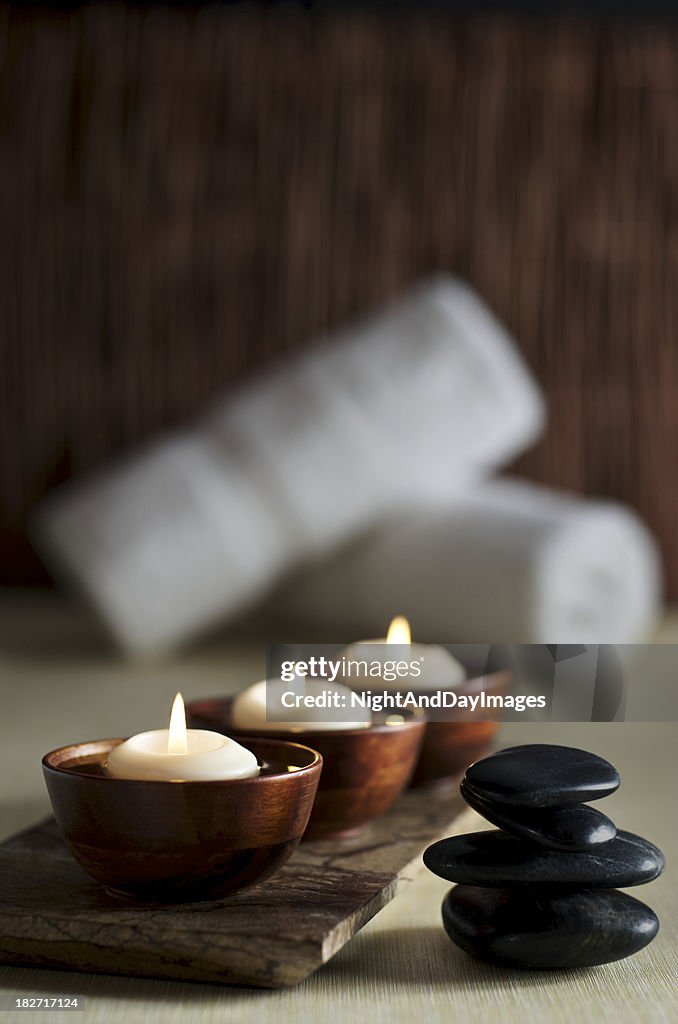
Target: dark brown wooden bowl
{"points": [[449, 747], [170, 841], [364, 770]]}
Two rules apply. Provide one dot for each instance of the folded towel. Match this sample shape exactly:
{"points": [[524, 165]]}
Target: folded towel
{"points": [[511, 562], [423, 399]]}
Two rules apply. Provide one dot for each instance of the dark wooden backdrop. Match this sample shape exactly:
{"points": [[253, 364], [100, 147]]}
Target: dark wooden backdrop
{"points": [[184, 196]]}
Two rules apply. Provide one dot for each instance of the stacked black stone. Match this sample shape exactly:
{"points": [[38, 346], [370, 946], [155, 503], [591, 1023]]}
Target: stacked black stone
{"points": [[541, 891]]}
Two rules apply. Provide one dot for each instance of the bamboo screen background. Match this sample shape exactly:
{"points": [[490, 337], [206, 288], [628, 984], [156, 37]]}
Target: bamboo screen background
{"points": [[185, 196]]}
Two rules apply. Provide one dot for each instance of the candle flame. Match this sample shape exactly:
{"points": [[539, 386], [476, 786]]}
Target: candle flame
{"points": [[399, 631], [177, 740]]}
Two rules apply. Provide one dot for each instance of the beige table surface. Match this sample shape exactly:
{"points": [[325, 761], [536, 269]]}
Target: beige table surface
{"points": [[58, 683]]}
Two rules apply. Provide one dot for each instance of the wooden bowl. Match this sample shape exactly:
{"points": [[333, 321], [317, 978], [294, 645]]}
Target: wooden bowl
{"points": [[449, 747], [168, 840], [364, 770]]}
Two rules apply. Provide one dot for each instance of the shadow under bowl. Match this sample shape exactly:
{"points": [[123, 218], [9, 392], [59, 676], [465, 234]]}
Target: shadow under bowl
{"points": [[450, 746], [174, 841], [364, 770]]}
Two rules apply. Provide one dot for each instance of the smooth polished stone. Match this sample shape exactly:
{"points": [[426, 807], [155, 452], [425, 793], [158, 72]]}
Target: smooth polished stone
{"points": [[541, 775], [578, 827], [547, 929], [502, 861]]}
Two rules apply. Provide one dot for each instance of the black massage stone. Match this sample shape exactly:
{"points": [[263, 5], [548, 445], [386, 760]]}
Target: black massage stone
{"points": [[546, 929], [577, 827], [541, 775], [501, 861], [540, 892]]}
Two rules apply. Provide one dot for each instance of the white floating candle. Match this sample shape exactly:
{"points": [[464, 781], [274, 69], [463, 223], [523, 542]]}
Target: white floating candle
{"points": [[252, 707], [439, 669], [179, 754]]}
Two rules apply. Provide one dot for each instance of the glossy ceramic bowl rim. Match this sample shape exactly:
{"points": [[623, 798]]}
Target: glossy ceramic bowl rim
{"points": [[97, 745], [415, 718]]}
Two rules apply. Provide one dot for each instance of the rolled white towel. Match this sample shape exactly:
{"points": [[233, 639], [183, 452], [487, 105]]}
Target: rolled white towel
{"points": [[414, 403], [511, 562], [418, 402]]}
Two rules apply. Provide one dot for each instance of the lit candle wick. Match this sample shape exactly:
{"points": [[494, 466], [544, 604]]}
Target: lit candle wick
{"points": [[177, 740]]}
